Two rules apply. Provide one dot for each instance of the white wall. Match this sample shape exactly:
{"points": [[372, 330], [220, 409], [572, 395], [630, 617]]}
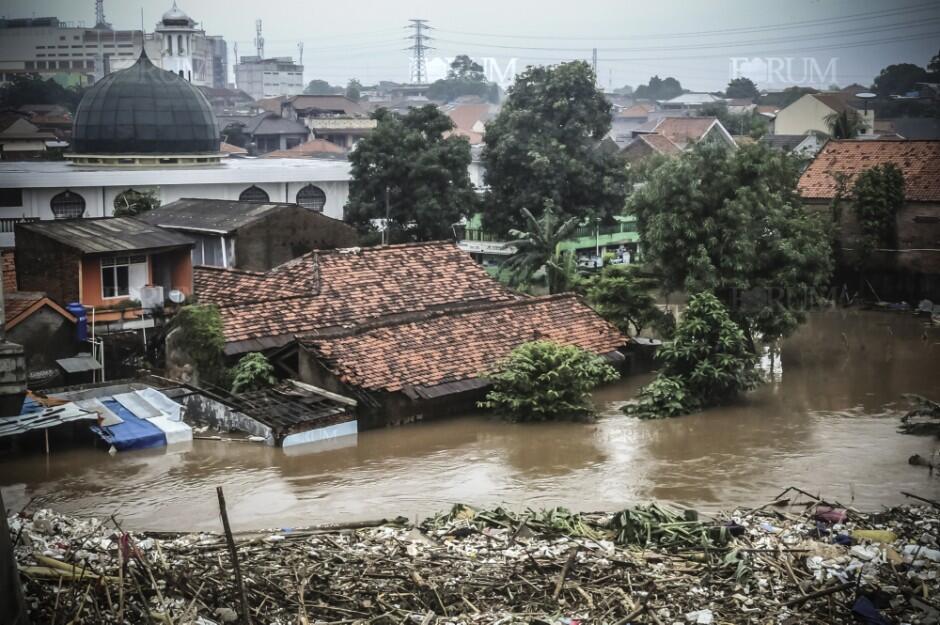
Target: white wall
{"points": [[99, 201]]}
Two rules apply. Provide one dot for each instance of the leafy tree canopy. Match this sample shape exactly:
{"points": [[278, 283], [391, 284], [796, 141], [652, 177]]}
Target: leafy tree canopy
{"points": [[536, 247], [542, 148], [543, 380], [659, 89], [731, 222], [934, 65], [877, 195], [252, 372], [707, 363], [201, 334], [741, 88], [899, 79], [354, 90], [788, 96], [32, 89], [625, 298], [845, 124], [465, 78], [321, 87], [424, 173]]}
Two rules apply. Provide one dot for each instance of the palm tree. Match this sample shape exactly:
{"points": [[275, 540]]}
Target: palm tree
{"points": [[846, 124], [537, 247]]}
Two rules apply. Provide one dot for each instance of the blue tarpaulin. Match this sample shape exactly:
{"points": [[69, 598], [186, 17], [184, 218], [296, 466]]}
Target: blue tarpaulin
{"points": [[134, 433]]}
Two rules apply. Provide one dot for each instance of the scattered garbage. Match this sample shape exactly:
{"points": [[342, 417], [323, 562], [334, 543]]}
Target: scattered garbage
{"points": [[647, 564], [924, 419]]}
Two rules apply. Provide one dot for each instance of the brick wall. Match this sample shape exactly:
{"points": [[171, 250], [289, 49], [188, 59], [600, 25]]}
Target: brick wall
{"points": [[8, 267], [43, 264]]}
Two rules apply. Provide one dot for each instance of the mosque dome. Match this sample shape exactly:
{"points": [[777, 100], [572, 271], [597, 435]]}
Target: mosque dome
{"points": [[176, 17], [144, 110]]}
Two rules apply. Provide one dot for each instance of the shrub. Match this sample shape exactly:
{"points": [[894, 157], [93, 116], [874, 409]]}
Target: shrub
{"points": [[202, 339], [543, 380], [251, 373], [707, 363], [624, 298]]}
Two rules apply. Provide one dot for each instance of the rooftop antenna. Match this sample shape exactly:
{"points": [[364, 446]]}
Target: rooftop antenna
{"points": [[99, 14], [419, 71], [259, 40]]}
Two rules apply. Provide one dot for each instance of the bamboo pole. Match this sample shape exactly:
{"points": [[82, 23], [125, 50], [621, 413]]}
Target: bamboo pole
{"points": [[233, 553]]}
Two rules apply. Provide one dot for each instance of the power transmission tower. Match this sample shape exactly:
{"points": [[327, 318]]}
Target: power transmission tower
{"points": [[99, 15], [300, 52], [419, 66], [259, 40]]}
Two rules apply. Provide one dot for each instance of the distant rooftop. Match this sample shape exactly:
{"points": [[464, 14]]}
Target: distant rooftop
{"points": [[107, 234]]}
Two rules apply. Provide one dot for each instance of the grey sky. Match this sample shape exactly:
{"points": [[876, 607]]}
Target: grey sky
{"points": [[364, 39]]}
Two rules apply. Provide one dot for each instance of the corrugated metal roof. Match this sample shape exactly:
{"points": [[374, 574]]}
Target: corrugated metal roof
{"points": [[218, 216], [50, 417], [108, 234]]}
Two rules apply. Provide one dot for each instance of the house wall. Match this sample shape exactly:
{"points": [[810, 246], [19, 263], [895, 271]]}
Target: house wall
{"points": [[99, 201], [42, 264], [808, 115], [288, 233], [45, 336]]}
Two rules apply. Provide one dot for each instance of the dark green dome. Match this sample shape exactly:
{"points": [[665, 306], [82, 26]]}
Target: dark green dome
{"points": [[144, 110]]}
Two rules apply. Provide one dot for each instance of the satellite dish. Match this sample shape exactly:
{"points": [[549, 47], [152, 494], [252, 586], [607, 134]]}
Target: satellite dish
{"points": [[865, 95], [176, 296]]}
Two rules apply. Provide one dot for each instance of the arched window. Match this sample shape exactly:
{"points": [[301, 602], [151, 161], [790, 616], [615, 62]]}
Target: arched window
{"points": [[254, 194], [181, 73], [67, 205], [312, 197]]}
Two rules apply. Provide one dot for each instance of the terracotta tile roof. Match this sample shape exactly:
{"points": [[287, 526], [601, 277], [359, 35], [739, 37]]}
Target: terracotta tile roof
{"points": [[228, 148], [684, 130], [440, 347], [19, 305], [837, 100], [637, 110], [307, 149], [342, 287], [919, 161], [660, 143]]}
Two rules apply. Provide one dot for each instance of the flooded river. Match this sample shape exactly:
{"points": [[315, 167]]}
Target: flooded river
{"points": [[826, 422]]}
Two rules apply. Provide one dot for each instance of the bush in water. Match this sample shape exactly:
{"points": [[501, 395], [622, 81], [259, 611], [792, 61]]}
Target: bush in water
{"points": [[251, 373], [543, 380]]}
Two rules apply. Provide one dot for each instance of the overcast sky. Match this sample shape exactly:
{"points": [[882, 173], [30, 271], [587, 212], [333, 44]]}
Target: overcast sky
{"points": [[700, 43]]}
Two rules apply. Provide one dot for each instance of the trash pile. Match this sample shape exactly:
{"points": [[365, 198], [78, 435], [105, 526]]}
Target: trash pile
{"points": [[796, 560]]}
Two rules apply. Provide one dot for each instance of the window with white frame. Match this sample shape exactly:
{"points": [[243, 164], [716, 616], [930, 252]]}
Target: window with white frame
{"points": [[122, 274]]}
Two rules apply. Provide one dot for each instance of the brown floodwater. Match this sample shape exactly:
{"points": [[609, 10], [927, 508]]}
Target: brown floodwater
{"points": [[826, 422]]}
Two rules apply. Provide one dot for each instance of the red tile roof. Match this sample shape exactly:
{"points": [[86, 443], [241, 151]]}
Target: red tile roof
{"points": [[440, 347], [341, 288], [307, 149], [637, 110], [919, 161], [660, 144], [683, 130], [19, 305]]}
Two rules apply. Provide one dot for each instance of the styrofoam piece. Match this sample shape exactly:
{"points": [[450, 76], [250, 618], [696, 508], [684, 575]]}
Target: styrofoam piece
{"points": [[161, 402], [109, 418], [175, 431], [137, 405]]}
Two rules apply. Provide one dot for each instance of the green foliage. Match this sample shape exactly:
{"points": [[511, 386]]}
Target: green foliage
{"points": [[252, 372], [659, 89], [354, 90], [785, 98], [624, 298], [465, 78], [321, 87], [708, 363], [731, 222], [934, 65], [846, 124], [542, 147], [201, 336], [899, 79], [750, 123], [543, 380], [741, 88], [132, 202], [32, 89], [877, 195], [424, 173], [536, 247], [234, 134]]}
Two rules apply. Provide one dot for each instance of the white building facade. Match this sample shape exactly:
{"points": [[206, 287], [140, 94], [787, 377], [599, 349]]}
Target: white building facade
{"points": [[269, 78]]}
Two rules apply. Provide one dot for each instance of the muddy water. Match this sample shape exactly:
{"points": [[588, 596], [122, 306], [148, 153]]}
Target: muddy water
{"points": [[825, 423]]}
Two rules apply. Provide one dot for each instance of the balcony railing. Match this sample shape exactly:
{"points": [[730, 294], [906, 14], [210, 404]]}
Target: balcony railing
{"points": [[8, 224]]}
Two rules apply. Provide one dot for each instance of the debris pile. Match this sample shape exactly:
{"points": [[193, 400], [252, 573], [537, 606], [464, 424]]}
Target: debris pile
{"points": [[796, 560]]}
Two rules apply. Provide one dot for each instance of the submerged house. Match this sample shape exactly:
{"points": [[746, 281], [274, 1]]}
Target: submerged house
{"points": [[103, 263], [253, 235], [347, 320]]}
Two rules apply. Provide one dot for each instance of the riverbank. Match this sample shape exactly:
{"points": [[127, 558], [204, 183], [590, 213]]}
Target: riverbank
{"points": [[796, 560]]}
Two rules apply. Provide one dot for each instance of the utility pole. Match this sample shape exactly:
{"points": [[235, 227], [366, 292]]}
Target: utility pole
{"points": [[594, 63], [259, 40], [300, 52], [419, 48]]}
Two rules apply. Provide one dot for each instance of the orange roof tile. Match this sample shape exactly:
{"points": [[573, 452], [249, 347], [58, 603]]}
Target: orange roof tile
{"points": [[341, 287], [637, 110], [228, 148], [439, 347], [660, 143], [919, 161], [307, 149], [683, 130]]}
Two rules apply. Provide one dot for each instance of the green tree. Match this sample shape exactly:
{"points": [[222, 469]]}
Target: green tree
{"points": [[354, 90], [424, 174], [624, 298], [321, 87], [741, 88], [132, 202], [708, 363], [934, 65], [845, 124], [201, 335], [659, 89], [32, 89], [252, 372], [899, 79], [234, 134], [537, 247], [465, 68], [542, 380], [543, 147], [465, 78], [731, 222], [785, 98], [750, 123], [877, 196]]}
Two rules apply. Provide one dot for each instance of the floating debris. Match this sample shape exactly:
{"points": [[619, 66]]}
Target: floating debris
{"points": [[776, 564]]}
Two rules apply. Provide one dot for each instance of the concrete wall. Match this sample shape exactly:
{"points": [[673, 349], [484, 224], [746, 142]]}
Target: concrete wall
{"points": [[99, 201], [808, 114], [44, 265], [45, 336], [287, 234]]}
